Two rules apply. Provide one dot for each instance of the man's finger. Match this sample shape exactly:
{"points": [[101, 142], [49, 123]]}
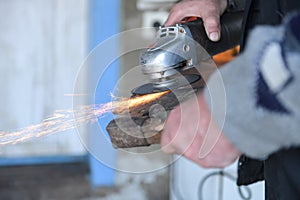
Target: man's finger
{"points": [[168, 149], [212, 27], [176, 15], [166, 145]]}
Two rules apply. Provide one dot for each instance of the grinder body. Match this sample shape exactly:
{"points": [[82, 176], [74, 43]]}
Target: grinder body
{"points": [[181, 47]]}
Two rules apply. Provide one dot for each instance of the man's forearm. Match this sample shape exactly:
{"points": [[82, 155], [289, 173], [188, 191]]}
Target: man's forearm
{"points": [[262, 92]]}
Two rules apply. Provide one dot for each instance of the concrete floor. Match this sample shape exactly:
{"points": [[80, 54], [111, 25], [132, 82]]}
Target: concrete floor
{"points": [[71, 182]]}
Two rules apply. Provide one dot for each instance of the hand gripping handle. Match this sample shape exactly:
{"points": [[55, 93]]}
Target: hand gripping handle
{"points": [[231, 28]]}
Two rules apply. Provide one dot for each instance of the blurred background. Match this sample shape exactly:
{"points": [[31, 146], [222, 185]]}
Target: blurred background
{"points": [[43, 44]]}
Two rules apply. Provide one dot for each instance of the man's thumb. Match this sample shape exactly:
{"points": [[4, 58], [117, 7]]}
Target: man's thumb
{"points": [[212, 27]]}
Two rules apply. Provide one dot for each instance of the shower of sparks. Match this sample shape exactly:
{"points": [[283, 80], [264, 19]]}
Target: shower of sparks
{"points": [[63, 120]]}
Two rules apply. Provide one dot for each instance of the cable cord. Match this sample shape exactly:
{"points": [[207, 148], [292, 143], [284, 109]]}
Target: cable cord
{"points": [[244, 191], [223, 174]]}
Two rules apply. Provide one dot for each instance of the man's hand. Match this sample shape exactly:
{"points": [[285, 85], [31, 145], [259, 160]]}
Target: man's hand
{"points": [[209, 10], [191, 131]]}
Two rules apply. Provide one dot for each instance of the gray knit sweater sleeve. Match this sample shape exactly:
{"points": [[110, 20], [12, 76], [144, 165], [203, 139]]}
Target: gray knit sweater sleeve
{"points": [[262, 87]]}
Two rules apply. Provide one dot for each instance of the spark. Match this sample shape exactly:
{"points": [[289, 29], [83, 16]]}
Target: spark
{"points": [[63, 120], [123, 105]]}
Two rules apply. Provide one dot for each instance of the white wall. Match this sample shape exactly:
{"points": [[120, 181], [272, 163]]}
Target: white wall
{"points": [[42, 44]]}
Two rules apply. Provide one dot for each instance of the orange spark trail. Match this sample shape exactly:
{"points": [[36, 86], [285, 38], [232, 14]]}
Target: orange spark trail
{"points": [[63, 120]]}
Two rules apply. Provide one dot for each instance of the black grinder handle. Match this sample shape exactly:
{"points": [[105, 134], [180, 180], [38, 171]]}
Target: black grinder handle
{"points": [[231, 28]]}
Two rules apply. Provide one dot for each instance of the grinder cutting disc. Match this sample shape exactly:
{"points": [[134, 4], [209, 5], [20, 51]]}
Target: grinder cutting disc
{"points": [[180, 81]]}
